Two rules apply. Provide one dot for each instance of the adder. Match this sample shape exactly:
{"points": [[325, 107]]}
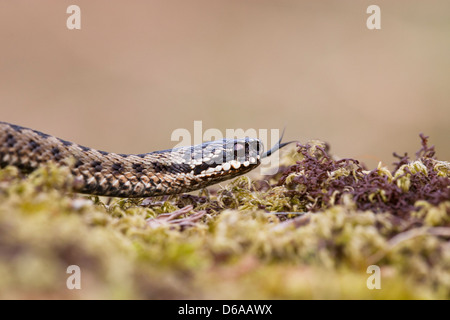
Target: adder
{"points": [[165, 172]]}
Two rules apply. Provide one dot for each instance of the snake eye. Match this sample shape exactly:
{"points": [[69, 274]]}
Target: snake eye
{"points": [[247, 148], [238, 146], [238, 149]]}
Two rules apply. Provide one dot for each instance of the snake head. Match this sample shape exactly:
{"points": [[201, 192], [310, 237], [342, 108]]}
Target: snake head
{"points": [[227, 157], [215, 161]]}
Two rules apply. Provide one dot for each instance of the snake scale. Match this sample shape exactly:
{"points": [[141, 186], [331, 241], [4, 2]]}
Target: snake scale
{"points": [[165, 172]]}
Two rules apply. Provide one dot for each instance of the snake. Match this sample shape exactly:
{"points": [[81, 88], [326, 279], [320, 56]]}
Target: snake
{"points": [[166, 172]]}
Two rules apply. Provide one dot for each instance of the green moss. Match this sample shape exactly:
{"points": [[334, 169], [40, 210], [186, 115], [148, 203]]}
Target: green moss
{"points": [[240, 240]]}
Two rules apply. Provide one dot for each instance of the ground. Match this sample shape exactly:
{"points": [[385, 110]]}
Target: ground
{"points": [[311, 231]]}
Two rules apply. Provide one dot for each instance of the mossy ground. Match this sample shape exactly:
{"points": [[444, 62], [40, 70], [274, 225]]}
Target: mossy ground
{"points": [[245, 240]]}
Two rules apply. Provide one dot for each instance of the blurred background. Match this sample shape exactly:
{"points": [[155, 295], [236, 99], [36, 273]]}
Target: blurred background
{"points": [[137, 70]]}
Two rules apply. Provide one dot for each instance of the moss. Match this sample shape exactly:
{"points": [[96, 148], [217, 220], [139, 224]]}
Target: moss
{"points": [[309, 231]]}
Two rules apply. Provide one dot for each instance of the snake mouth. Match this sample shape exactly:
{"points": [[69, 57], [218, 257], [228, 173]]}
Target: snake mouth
{"points": [[230, 168]]}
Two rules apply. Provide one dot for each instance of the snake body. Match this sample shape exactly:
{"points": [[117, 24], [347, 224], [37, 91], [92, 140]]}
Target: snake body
{"points": [[165, 172]]}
